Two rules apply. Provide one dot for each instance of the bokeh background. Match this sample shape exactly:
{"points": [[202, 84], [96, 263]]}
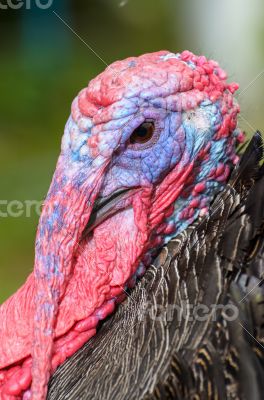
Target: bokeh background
{"points": [[44, 64]]}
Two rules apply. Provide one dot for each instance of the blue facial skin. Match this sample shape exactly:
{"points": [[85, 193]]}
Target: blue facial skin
{"points": [[177, 140]]}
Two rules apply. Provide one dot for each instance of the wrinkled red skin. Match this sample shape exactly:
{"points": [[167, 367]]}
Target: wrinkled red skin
{"points": [[77, 282], [111, 262]]}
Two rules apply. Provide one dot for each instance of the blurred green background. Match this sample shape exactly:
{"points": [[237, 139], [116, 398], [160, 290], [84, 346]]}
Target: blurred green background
{"points": [[44, 64]]}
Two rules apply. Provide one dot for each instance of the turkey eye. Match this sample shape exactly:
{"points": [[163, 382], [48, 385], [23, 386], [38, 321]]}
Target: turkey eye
{"points": [[143, 133]]}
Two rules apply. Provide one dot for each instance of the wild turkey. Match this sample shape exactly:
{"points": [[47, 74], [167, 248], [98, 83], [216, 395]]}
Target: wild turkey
{"points": [[150, 143]]}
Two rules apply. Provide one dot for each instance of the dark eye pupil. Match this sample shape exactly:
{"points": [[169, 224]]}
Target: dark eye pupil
{"points": [[143, 133]]}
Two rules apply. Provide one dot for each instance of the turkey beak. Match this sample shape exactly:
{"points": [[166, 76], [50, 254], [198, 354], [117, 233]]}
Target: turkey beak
{"points": [[105, 207]]}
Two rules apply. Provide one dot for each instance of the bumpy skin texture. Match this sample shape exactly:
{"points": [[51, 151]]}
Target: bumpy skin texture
{"points": [[78, 280]]}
